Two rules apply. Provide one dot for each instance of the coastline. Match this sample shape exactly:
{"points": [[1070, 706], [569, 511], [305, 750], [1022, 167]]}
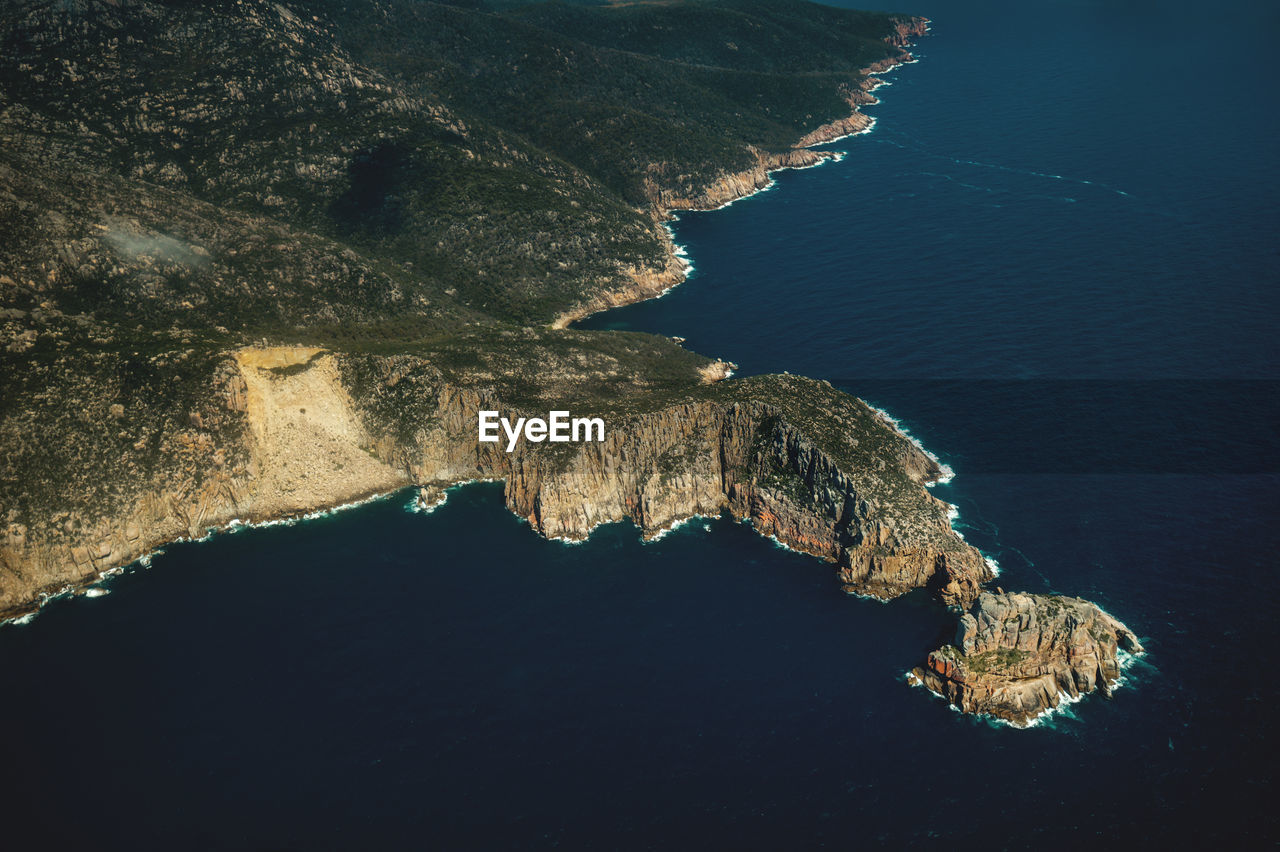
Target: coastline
{"points": [[221, 502], [653, 283], [91, 587], [553, 500]]}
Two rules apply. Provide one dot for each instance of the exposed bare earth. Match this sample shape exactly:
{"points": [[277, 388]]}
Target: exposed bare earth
{"points": [[308, 448]]}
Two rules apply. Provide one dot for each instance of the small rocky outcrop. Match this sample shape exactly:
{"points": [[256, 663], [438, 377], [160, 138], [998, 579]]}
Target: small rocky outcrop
{"points": [[1017, 655]]}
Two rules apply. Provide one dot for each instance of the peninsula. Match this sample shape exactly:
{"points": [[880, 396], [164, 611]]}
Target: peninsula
{"points": [[264, 258]]}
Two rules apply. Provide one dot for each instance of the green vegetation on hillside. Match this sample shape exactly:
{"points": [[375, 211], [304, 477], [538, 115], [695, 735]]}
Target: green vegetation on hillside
{"points": [[273, 167]]}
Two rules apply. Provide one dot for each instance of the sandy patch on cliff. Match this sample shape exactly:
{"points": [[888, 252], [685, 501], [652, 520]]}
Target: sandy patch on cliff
{"points": [[309, 448]]}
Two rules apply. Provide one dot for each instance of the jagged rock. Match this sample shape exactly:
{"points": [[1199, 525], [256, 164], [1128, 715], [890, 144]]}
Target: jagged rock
{"points": [[1018, 655], [805, 463]]}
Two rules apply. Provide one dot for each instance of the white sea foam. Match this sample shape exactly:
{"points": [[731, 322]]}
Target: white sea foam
{"points": [[1124, 660], [573, 542], [297, 519], [681, 252], [1063, 708], [953, 515], [993, 565], [865, 597], [675, 525], [821, 162], [912, 61], [96, 592], [53, 596], [782, 544], [771, 183], [757, 191], [416, 505], [44, 599]]}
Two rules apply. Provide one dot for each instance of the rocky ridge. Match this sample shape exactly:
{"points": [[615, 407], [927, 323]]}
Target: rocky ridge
{"points": [[318, 429]]}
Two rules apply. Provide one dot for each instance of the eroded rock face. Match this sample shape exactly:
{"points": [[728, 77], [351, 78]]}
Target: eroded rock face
{"points": [[731, 452], [805, 463], [1018, 655], [701, 459]]}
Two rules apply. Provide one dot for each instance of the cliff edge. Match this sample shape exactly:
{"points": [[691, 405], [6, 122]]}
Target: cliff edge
{"points": [[1017, 656]]}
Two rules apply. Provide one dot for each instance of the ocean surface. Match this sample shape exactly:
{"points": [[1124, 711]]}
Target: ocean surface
{"points": [[1055, 259]]}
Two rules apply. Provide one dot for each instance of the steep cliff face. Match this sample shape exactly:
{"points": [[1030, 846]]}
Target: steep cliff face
{"points": [[289, 430], [1018, 655], [904, 31], [854, 123], [639, 283], [318, 429], [908, 28], [729, 187], [740, 449]]}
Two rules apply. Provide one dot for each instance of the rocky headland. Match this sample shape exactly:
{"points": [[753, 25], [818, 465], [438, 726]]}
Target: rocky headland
{"points": [[295, 429], [269, 259]]}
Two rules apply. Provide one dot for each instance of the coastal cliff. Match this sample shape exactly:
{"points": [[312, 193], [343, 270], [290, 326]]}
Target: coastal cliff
{"points": [[293, 286], [1018, 656], [308, 428], [736, 451]]}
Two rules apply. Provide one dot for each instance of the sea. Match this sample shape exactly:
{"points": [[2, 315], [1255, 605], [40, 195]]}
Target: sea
{"points": [[1055, 260]]}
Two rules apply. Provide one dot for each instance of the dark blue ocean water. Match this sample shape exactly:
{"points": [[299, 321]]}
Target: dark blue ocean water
{"points": [[1055, 259]]}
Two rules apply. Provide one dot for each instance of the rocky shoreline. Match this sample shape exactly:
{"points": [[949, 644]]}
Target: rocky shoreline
{"points": [[310, 441], [205, 439], [648, 283], [819, 471]]}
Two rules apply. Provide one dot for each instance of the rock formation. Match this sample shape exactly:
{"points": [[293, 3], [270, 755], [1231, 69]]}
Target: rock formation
{"points": [[1018, 655], [807, 464]]}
